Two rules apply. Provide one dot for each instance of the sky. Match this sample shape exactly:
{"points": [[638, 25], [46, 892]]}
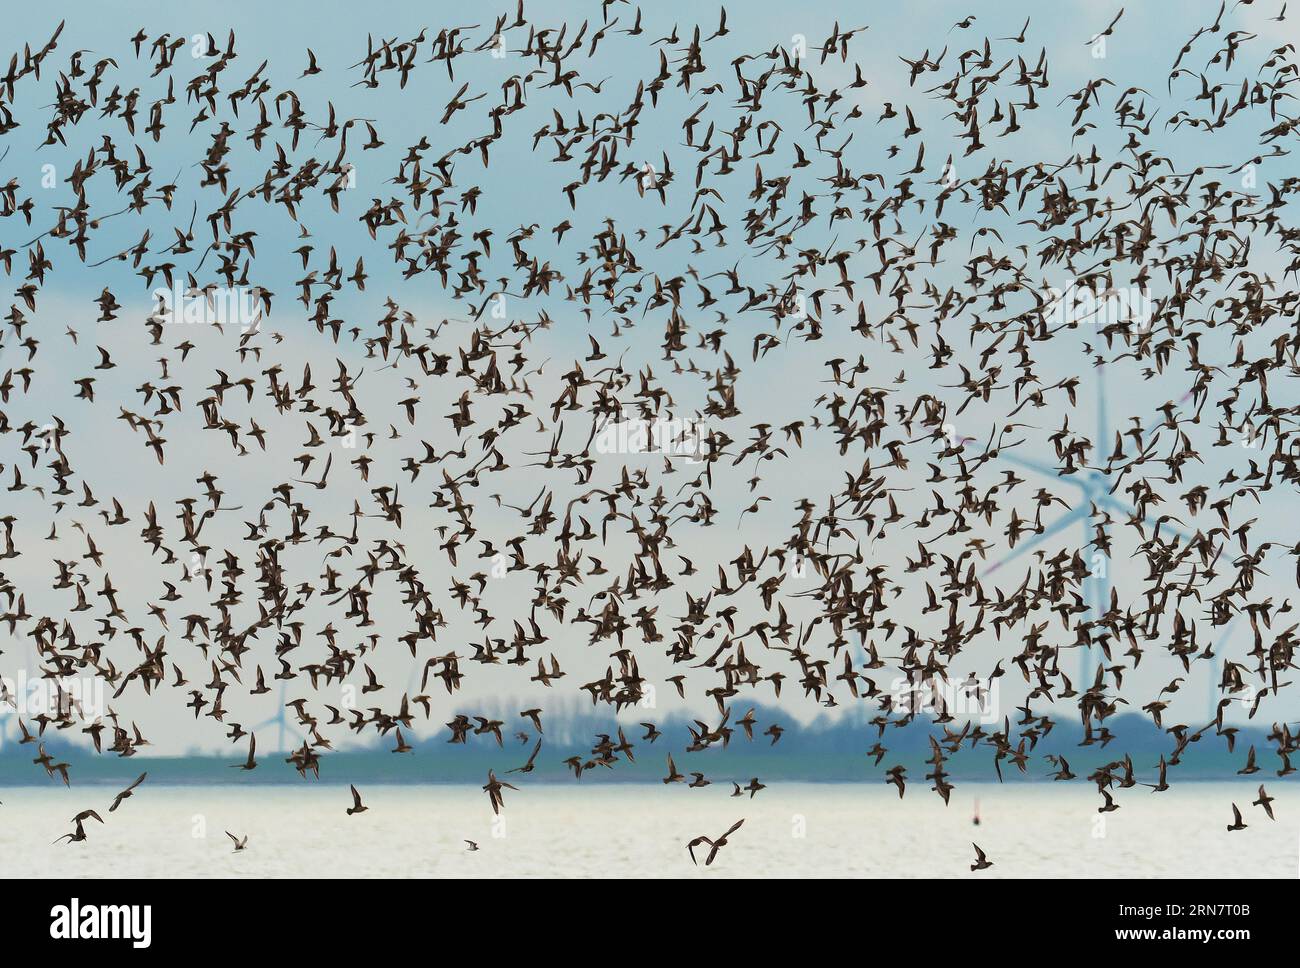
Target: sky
{"points": [[521, 187]]}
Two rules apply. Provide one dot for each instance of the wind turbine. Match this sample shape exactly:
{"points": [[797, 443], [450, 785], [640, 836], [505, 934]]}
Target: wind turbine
{"points": [[280, 721], [1094, 487]]}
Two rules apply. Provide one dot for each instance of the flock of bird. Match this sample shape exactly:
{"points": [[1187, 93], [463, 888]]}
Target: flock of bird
{"points": [[385, 519]]}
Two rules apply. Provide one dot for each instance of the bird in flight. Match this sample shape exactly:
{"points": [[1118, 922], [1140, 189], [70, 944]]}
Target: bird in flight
{"points": [[357, 805], [715, 844], [117, 800]]}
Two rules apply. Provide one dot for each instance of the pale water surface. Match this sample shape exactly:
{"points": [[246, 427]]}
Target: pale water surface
{"points": [[791, 830]]}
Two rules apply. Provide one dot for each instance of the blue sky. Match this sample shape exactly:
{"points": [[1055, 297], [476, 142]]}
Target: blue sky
{"points": [[521, 187]]}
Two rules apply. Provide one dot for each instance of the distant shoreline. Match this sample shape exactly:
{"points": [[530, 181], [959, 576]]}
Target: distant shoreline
{"points": [[833, 754]]}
